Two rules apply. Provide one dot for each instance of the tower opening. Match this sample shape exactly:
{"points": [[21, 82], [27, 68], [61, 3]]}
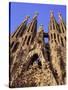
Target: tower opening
{"points": [[15, 47], [24, 40], [54, 36], [65, 38], [28, 40], [58, 38], [62, 41], [35, 59], [11, 45], [46, 40], [51, 36]]}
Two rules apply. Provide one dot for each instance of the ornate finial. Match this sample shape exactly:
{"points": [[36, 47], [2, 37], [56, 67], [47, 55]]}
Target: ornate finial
{"points": [[27, 17], [51, 13], [60, 16], [41, 27], [36, 14]]}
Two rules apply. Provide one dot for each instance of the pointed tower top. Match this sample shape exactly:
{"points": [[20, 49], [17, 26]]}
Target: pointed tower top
{"points": [[36, 14], [27, 17], [51, 13], [60, 16]]}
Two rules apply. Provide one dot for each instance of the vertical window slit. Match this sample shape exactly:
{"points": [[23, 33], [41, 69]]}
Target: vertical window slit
{"points": [[15, 47], [65, 38], [62, 41], [51, 36], [11, 44], [54, 36], [58, 37], [62, 29], [24, 40], [28, 40]]}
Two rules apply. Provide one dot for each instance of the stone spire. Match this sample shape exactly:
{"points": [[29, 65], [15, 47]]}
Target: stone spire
{"points": [[53, 23], [51, 14], [60, 16], [35, 15], [55, 40], [62, 29], [33, 23], [26, 18], [61, 21], [21, 28], [53, 29], [30, 31]]}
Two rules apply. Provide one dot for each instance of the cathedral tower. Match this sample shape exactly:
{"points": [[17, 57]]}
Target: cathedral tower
{"points": [[33, 62], [56, 42]]}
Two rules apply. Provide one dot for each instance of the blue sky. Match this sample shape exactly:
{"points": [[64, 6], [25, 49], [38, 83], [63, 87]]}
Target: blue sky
{"points": [[18, 11]]}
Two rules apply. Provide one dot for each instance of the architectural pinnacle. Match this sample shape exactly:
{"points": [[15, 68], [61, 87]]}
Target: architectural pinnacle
{"points": [[36, 14], [60, 16], [27, 17], [51, 13]]}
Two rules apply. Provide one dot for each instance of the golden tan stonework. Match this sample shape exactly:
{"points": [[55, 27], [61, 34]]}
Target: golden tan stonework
{"points": [[34, 62]]}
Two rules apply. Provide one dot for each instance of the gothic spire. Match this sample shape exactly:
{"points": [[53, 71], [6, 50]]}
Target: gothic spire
{"points": [[21, 28], [30, 31], [53, 22], [35, 15], [61, 22], [51, 14], [33, 24], [60, 16]]}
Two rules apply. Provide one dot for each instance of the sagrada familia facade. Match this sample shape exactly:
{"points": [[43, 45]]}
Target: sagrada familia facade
{"points": [[34, 62]]}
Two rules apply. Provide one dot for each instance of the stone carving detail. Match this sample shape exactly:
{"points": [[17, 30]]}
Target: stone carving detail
{"points": [[34, 62]]}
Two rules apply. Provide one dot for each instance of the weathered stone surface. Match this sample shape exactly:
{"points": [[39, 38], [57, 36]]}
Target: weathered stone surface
{"points": [[34, 62]]}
